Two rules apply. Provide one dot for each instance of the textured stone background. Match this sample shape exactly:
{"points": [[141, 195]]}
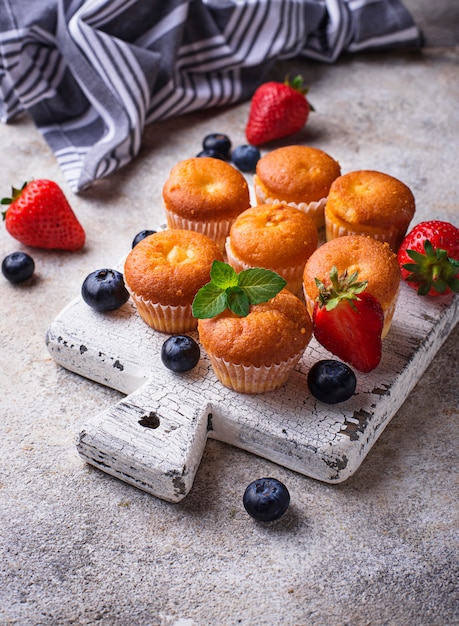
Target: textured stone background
{"points": [[81, 548]]}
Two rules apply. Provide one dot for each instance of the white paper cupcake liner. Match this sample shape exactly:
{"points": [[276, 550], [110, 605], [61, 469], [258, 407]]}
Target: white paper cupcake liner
{"points": [[333, 231], [389, 314], [165, 318], [251, 379], [314, 210], [217, 230]]}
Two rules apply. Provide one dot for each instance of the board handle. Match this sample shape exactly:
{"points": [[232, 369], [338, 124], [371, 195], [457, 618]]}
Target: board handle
{"points": [[151, 439]]}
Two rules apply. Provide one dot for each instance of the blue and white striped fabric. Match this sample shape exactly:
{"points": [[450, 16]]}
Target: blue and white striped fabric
{"points": [[93, 73]]}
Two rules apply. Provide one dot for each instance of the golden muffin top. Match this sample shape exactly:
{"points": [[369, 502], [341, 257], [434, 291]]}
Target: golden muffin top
{"points": [[370, 198], [296, 174], [272, 332], [373, 260], [273, 235], [170, 266], [204, 188]]}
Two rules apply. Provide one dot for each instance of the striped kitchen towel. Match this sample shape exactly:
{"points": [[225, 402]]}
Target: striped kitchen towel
{"points": [[93, 73]]}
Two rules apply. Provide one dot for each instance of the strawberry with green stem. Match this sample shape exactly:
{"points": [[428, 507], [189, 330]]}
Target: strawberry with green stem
{"points": [[429, 258], [39, 215], [348, 321], [277, 110]]}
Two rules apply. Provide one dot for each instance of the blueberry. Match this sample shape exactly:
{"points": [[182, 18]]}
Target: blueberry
{"points": [[18, 267], [266, 499], [246, 157], [180, 353], [214, 154], [104, 290], [331, 381], [141, 235], [219, 142]]}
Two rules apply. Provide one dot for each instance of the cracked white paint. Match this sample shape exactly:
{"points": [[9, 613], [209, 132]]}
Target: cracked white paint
{"points": [[287, 426]]}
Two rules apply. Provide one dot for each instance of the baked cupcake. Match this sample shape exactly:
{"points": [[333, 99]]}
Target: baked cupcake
{"points": [[205, 194], [374, 261], [370, 203], [163, 273], [273, 236], [296, 175], [257, 353]]}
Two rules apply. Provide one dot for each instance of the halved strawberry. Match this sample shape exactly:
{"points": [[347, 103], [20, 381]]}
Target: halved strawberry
{"points": [[429, 258], [348, 321]]}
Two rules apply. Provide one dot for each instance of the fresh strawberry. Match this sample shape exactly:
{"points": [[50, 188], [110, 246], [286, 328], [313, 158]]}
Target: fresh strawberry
{"points": [[429, 258], [40, 216], [277, 110], [348, 321]]}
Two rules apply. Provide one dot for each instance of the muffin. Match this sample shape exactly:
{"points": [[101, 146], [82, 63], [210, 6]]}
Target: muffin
{"points": [[370, 203], [374, 261], [257, 353], [205, 194], [296, 175], [163, 274], [274, 236]]}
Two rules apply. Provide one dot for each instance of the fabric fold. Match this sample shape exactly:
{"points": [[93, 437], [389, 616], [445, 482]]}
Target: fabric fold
{"points": [[93, 73]]}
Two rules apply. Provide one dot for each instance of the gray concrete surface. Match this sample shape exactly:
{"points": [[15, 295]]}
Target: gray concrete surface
{"points": [[81, 548]]}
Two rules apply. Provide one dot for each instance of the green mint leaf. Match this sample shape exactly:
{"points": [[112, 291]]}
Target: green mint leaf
{"points": [[238, 302], [260, 285], [209, 301], [223, 275], [228, 289]]}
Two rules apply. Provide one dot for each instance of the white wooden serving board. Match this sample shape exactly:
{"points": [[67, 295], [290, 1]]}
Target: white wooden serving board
{"points": [[154, 438]]}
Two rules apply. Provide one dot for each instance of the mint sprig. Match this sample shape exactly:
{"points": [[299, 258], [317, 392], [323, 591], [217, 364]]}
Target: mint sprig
{"points": [[229, 290]]}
